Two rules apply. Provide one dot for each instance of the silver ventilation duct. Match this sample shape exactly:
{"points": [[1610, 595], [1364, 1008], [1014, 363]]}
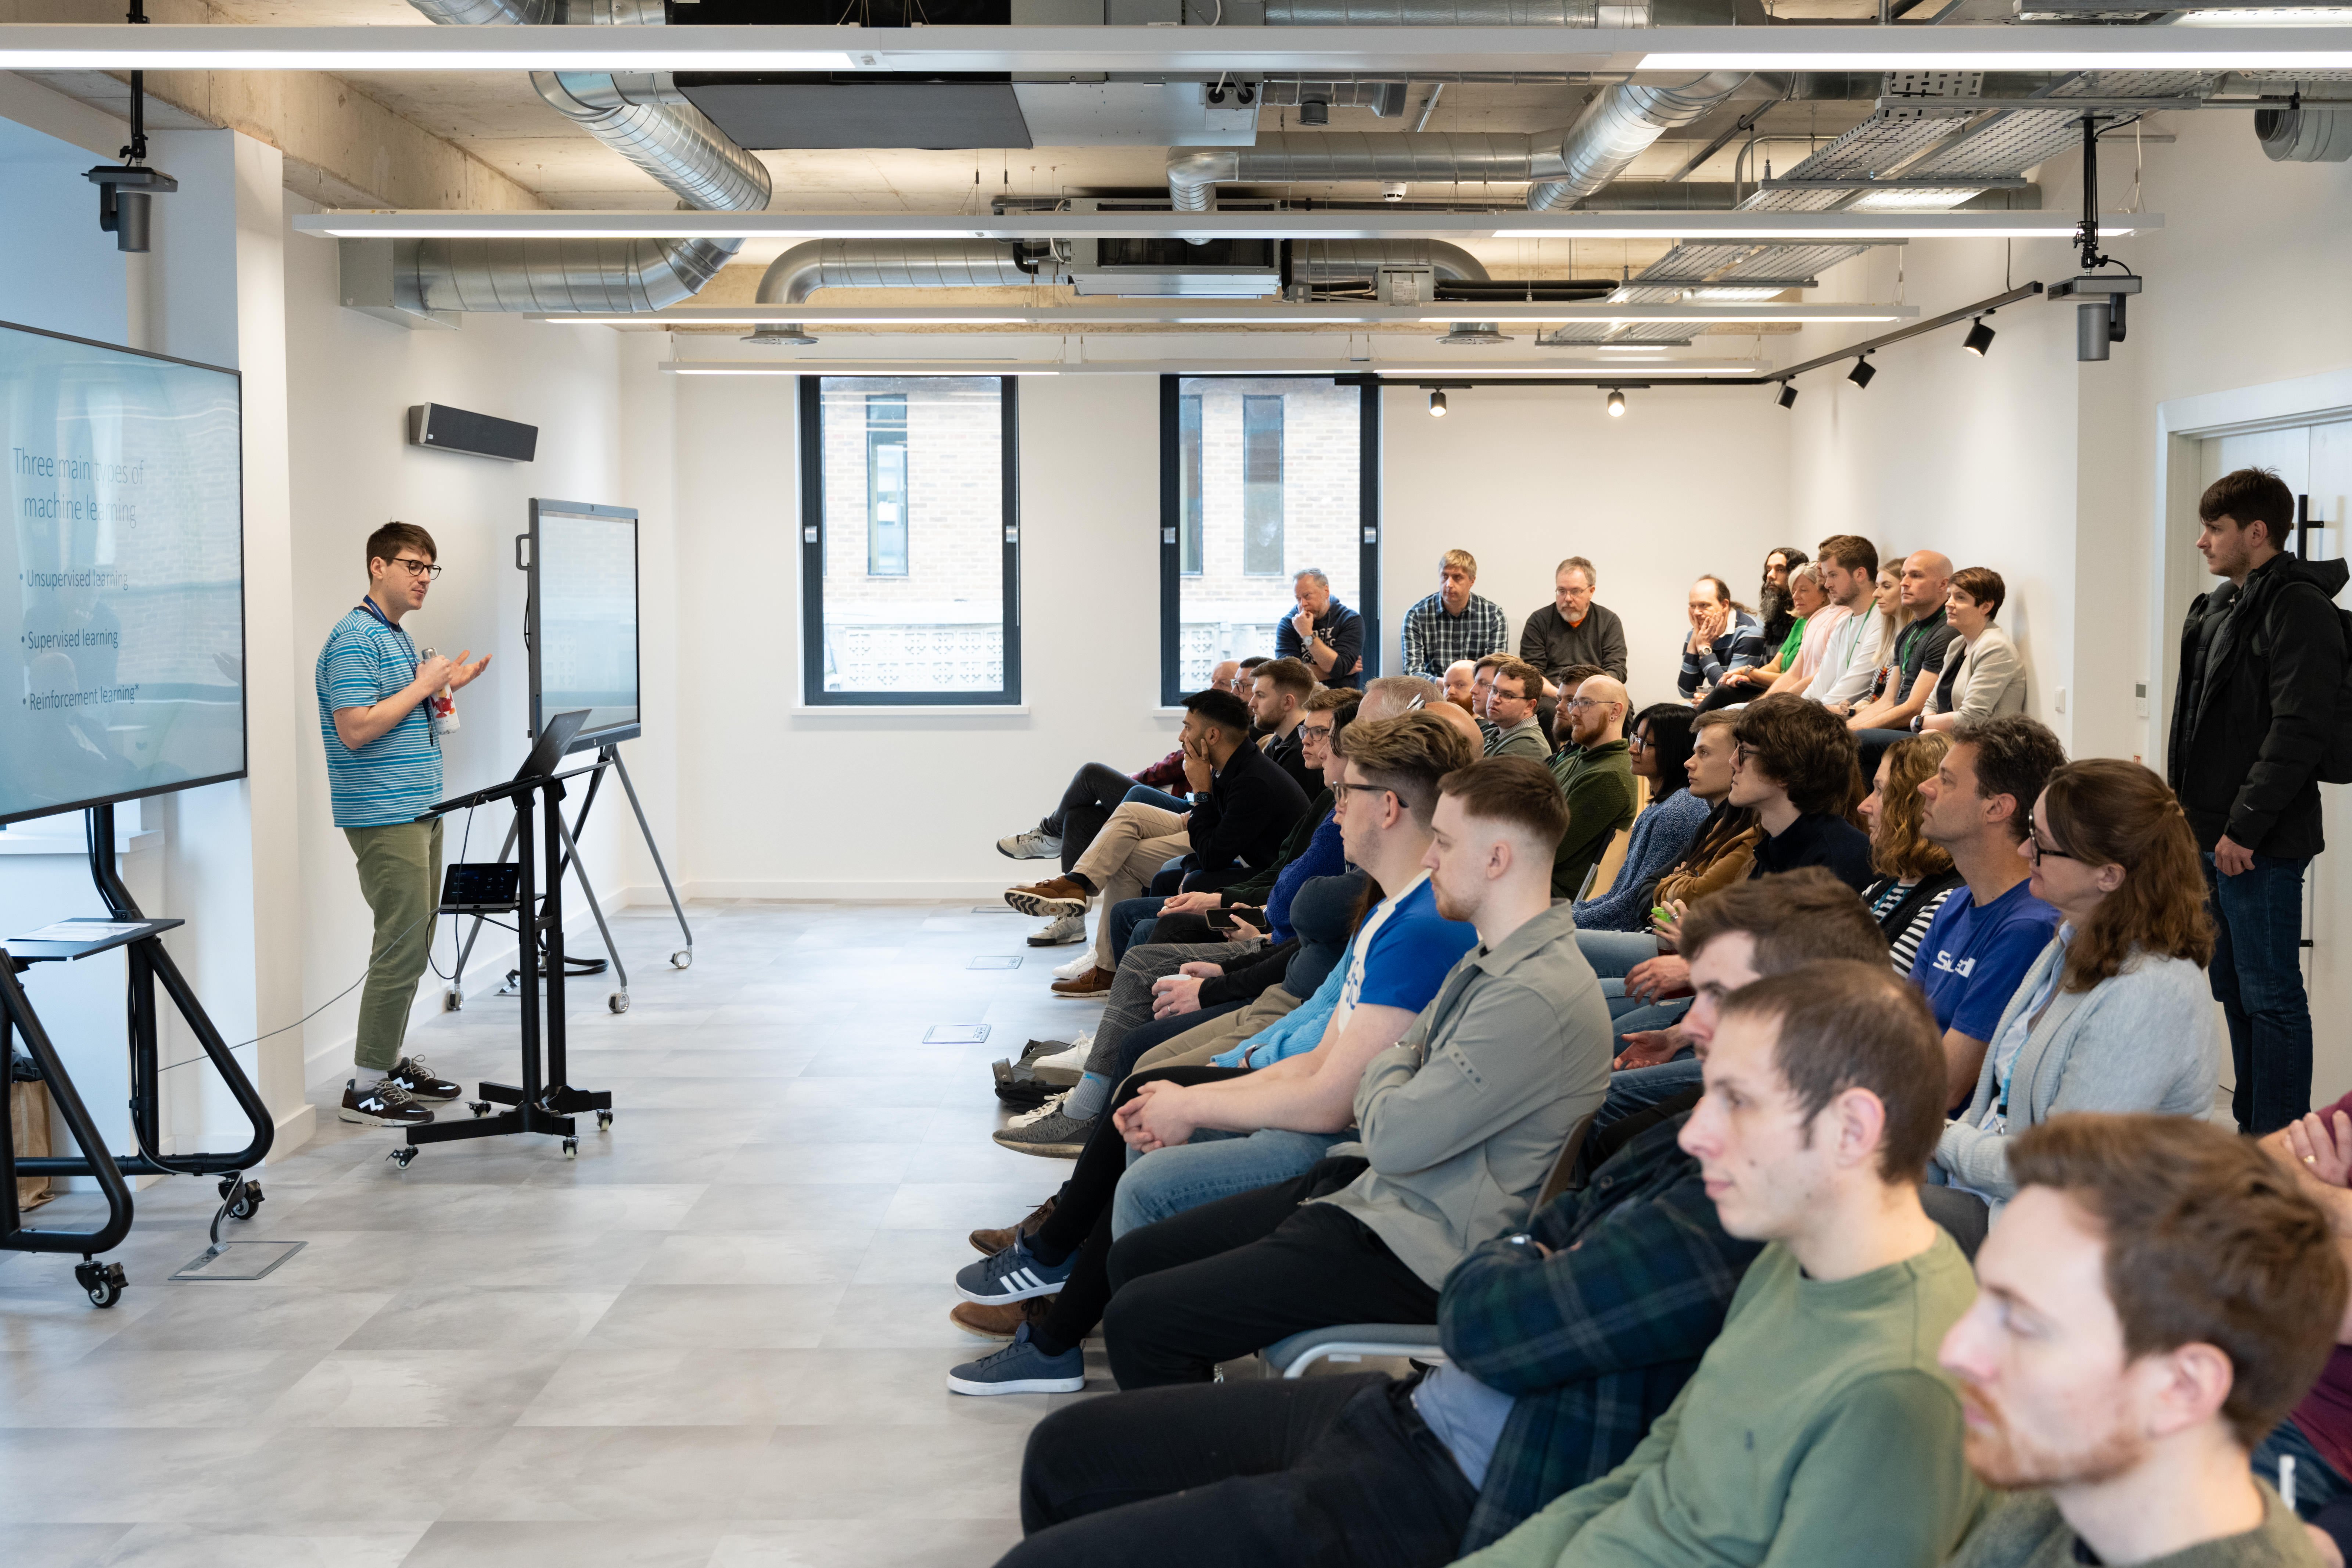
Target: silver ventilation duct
{"points": [[1620, 127], [642, 117], [2305, 135], [1326, 261], [817, 264]]}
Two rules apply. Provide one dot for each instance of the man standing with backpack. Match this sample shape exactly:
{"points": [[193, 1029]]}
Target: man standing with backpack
{"points": [[2256, 726]]}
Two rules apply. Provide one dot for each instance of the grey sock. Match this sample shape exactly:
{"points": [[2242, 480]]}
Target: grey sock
{"points": [[1087, 1100]]}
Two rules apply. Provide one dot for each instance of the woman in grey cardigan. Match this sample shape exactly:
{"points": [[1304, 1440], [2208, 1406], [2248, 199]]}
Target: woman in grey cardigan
{"points": [[1984, 674], [2116, 1014]]}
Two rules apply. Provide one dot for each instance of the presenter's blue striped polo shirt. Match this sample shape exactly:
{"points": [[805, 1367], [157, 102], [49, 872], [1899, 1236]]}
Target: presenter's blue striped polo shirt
{"points": [[396, 775]]}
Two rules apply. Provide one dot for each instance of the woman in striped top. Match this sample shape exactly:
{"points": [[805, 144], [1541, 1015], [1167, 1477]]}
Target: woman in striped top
{"points": [[1915, 876]]}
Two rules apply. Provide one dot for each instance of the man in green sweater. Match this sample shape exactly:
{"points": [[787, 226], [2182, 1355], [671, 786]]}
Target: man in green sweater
{"points": [[1595, 771], [1818, 1430], [2156, 1298]]}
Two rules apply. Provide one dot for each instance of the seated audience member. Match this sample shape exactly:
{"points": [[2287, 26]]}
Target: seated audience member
{"points": [[1402, 952], [1511, 709], [2156, 1298], [1400, 694], [1482, 698], [1796, 655], [1983, 673], [1564, 1343], [1915, 876], [1279, 691], [2114, 1014], [1775, 609], [1453, 623], [1722, 637], [1461, 679], [2314, 1444], [1572, 629], [1817, 1429], [1596, 779], [1795, 770], [1458, 1125], [1658, 749], [1918, 660], [1849, 656], [1887, 614], [1977, 808], [1243, 807], [1324, 635]]}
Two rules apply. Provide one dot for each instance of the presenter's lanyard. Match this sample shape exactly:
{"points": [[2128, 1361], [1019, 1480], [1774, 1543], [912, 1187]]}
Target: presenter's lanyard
{"points": [[382, 620]]}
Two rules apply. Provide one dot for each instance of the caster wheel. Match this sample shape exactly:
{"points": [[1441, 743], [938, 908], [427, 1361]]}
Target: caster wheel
{"points": [[453, 1000], [603, 1122], [682, 959], [400, 1156], [572, 1148], [102, 1282], [247, 1204], [481, 1107], [618, 1002]]}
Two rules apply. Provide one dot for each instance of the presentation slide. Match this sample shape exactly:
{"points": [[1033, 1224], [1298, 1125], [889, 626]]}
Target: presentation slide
{"points": [[585, 618], [122, 576]]}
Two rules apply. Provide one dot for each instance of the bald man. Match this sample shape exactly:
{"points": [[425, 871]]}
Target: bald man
{"points": [[1459, 677], [1460, 718], [1596, 774], [1918, 660]]}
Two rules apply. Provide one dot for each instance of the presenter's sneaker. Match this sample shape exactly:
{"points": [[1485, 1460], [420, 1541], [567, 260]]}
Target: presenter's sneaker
{"points": [[1054, 1136], [413, 1075], [1034, 845], [1094, 982], [999, 1323], [1059, 931], [1011, 1275], [987, 1242], [1021, 1368], [1054, 898], [384, 1103]]}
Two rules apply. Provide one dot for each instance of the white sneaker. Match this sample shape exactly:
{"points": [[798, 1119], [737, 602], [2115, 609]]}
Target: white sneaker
{"points": [[1073, 1060], [1034, 845], [1076, 968], [1060, 931], [1043, 1112]]}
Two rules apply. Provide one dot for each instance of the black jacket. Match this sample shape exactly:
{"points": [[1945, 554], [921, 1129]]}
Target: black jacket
{"points": [[1339, 627], [2258, 672], [1248, 811]]}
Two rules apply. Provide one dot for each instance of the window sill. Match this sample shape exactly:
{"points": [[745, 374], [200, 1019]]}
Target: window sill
{"points": [[906, 710]]}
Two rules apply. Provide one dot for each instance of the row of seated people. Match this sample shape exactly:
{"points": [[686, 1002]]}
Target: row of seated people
{"points": [[1759, 1256]]}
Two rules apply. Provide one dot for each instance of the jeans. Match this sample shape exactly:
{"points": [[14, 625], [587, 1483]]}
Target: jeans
{"points": [[1614, 953], [1160, 1031], [1635, 1090], [1628, 1020], [1123, 919], [1871, 744], [1144, 794], [1339, 1472], [1166, 1181], [2257, 976]]}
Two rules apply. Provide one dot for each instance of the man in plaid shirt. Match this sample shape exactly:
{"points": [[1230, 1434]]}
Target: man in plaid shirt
{"points": [[1453, 623], [1565, 1343]]}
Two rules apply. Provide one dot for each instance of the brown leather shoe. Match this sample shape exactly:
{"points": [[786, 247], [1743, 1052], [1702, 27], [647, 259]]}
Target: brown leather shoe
{"points": [[988, 1243], [1049, 900], [997, 1323], [1093, 983]]}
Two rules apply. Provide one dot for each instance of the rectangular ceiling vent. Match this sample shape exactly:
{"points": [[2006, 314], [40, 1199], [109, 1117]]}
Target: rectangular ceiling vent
{"points": [[1172, 268]]}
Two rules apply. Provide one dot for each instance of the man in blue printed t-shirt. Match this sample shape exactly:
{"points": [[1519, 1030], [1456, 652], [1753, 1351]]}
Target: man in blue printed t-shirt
{"points": [[383, 768], [1979, 808]]}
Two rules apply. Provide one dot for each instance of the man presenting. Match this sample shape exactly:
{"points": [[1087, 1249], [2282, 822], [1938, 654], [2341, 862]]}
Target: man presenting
{"points": [[1572, 629], [383, 769]]}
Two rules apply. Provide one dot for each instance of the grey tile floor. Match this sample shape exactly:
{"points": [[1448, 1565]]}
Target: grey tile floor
{"points": [[720, 1337]]}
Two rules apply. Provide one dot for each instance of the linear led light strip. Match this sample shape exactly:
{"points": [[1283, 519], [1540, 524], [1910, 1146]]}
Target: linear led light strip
{"points": [[1156, 367], [1047, 323], [1876, 226]]}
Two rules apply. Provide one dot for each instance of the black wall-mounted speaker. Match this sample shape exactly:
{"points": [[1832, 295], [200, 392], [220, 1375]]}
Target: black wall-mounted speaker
{"points": [[448, 430]]}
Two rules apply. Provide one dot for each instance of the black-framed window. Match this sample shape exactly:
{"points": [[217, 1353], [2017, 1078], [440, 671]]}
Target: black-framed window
{"points": [[917, 599], [1262, 477]]}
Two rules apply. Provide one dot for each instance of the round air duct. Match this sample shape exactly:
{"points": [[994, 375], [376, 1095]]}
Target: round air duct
{"points": [[2305, 135]]}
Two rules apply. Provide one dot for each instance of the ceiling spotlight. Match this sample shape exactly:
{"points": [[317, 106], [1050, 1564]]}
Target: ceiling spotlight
{"points": [[1437, 405], [1616, 405], [1861, 372], [1787, 398], [1980, 338]]}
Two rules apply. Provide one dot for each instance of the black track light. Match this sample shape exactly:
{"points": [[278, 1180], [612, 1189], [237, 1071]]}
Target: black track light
{"points": [[1437, 405], [1861, 372], [1616, 405], [1787, 398], [1980, 338]]}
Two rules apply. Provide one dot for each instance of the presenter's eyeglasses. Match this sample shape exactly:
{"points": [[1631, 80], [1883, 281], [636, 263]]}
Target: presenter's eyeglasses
{"points": [[424, 569]]}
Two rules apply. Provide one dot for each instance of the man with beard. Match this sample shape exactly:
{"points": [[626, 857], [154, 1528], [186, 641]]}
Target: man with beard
{"points": [[1595, 770], [2155, 1299], [1772, 606]]}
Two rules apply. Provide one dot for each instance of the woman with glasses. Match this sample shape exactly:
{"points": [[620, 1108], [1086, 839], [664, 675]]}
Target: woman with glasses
{"points": [[1915, 876], [2116, 1014], [1658, 749]]}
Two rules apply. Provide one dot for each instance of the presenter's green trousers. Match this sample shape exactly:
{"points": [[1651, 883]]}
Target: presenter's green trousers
{"points": [[399, 877]]}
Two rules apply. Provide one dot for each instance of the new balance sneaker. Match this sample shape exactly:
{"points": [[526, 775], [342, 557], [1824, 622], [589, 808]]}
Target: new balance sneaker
{"points": [[413, 1075], [1082, 964], [1053, 1135], [384, 1103], [1059, 931], [1052, 898], [1021, 1368], [1034, 845], [999, 1323], [1011, 1275], [988, 1243]]}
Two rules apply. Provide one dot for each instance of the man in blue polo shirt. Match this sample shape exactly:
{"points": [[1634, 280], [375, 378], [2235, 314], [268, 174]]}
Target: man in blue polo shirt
{"points": [[1977, 949], [383, 768]]}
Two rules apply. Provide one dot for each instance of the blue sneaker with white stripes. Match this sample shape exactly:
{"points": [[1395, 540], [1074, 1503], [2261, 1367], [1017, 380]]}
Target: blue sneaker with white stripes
{"points": [[1021, 1368], [1011, 1275]]}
